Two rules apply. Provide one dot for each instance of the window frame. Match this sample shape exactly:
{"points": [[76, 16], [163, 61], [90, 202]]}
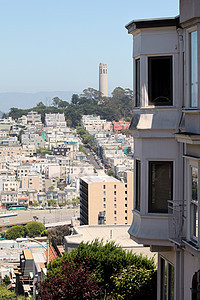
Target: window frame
{"points": [[150, 190], [138, 185], [194, 29], [150, 79], [137, 83]]}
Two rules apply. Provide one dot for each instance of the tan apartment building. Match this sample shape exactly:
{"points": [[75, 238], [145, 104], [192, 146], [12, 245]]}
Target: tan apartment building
{"points": [[106, 200]]}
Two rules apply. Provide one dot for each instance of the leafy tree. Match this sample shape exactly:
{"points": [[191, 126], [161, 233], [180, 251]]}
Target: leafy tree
{"points": [[107, 262], [52, 202], [110, 172], [6, 294], [15, 232], [134, 283], [75, 281], [40, 104], [57, 234], [34, 229], [6, 280], [35, 204]]}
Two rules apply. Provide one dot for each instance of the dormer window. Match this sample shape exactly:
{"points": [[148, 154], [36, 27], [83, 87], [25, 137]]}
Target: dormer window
{"points": [[160, 90]]}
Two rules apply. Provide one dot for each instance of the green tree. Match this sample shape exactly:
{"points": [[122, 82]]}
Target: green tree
{"points": [[57, 234], [15, 232], [110, 172], [6, 294], [34, 229], [52, 202], [35, 204], [6, 280], [107, 261], [134, 283]]}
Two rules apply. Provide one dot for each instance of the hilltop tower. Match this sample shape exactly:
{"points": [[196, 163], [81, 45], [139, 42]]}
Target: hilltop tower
{"points": [[103, 79]]}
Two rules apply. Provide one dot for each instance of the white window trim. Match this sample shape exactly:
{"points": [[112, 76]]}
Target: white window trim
{"points": [[187, 69]]}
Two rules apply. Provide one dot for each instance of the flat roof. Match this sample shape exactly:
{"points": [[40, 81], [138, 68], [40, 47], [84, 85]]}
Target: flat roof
{"points": [[28, 254], [95, 179], [152, 23]]}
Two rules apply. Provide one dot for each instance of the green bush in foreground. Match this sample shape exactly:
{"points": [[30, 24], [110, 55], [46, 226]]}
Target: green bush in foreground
{"points": [[118, 273]]}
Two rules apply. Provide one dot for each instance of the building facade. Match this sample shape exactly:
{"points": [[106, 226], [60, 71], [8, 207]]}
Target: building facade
{"points": [[166, 131], [106, 200]]}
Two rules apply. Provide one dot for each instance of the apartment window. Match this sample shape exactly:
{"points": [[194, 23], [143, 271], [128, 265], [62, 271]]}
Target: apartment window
{"points": [[160, 80], [137, 82], [115, 218], [125, 211], [160, 185], [104, 192], [125, 185], [126, 218], [126, 192], [104, 199], [104, 186], [167, 280], [115, 186], [193, 69], [194, 203], [115, 199], [138, 180], [114, 192], [125, 198], [115, 212], [115, 205], [125, 204], [104, 206]]}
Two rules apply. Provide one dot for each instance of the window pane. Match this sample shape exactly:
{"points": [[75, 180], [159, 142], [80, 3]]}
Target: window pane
{"points": [[193, 69], [137, 82], [138, 175], [160, 80], [160, 186], [194, 203]]}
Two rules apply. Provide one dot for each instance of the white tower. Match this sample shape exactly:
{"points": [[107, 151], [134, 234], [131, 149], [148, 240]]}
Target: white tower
{"points": [[103, 80]]}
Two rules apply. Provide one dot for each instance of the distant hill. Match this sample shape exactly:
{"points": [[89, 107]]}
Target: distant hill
{"points": [[28, 100]]}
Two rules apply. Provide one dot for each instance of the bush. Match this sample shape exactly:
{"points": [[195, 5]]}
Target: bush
{"points": [[15, 232], [74, 281], [134, 283], [108, 262], [5, 294], [34, 228]]}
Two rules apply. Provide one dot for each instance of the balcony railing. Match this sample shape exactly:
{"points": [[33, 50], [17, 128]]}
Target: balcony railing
{"points": [[176, 211]]}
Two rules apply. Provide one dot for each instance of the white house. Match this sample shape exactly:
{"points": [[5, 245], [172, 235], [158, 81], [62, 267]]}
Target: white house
{"points": [[166, 131]]}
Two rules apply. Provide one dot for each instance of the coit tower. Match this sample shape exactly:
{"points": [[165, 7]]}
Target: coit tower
{"points": [[103, 79]]}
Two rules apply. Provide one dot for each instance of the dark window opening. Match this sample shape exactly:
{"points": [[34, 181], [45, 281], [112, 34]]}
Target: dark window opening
{"points": [[137, 82], [160, 80], [160, 186], [138, 179]]}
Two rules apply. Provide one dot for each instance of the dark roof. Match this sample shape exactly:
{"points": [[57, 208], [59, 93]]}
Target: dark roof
{"points": [[152, 23]]}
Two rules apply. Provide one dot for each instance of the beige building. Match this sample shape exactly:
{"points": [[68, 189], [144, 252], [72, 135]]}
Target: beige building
{"points": [[106, 200]]}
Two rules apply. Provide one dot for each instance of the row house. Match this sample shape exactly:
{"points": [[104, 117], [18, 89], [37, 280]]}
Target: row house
{"points": [[118, 127], [55, 120], [166, 131], [33, 117]]}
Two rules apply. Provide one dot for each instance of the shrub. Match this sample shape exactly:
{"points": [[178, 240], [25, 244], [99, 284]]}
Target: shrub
{"points": [[34, 228], [15, 232]]}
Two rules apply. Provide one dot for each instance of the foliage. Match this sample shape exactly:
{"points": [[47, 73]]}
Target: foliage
{"points": [[44, 151], [35, 204], [75, 281], [57, 234], [76, 200], [6, 280], [88, 139], [134, 283], [52, 202], [34, 229], [107, 261], [6, 294], [81, 149], [110, 172], [15, 232], [81, 131], [116, 107]]}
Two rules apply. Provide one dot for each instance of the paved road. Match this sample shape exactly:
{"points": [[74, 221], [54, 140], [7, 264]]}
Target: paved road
{"points": [[91, 158], [44, 216]]}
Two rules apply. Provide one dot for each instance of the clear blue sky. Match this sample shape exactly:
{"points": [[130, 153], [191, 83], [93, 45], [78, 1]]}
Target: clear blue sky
{"points": [[57, 45]]}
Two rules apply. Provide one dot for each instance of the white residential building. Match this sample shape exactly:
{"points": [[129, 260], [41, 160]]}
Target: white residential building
{"points": [[166, 131]]}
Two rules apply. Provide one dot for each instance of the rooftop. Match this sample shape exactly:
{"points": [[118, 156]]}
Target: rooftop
{"points": [[95, 179]]}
